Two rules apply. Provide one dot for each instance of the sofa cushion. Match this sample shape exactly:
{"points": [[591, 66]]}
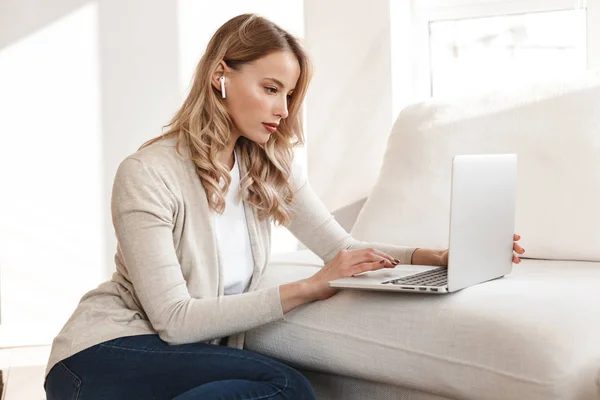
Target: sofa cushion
{"points": [[531, 335], [553, 128]]}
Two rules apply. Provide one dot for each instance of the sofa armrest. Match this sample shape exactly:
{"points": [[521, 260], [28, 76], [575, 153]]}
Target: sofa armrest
{"points": [[345, 216]]}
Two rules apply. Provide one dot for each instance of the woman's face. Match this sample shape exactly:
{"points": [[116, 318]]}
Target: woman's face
{"points": [[258, 94]]}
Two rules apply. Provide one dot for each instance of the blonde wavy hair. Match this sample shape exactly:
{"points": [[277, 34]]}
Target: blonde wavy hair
{"points": [[203, 125]]}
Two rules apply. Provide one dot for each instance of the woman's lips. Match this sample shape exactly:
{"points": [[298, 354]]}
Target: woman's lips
{"points": [[270, 128]]}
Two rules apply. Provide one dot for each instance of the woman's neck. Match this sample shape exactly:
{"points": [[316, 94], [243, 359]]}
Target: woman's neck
{"points": [[227, 156]]}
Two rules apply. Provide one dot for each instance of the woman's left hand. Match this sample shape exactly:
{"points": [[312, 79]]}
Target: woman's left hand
{"points": [[516, 248]]}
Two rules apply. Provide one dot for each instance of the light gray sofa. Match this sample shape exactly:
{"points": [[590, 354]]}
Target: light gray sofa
{"points": [[534, 334]]}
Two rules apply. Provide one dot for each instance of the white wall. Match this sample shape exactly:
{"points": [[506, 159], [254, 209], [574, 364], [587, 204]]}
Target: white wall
{"points": [[50, 163], [83, 84], [349, 106]]}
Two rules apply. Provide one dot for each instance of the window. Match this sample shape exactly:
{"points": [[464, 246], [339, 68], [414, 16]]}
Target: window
{"points": [[459, 46], [496, 52]]}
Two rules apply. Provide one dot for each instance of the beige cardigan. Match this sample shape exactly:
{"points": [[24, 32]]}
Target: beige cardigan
{"points": [[167, 280]]}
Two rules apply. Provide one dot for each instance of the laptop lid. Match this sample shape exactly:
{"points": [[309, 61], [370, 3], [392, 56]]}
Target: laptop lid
{"points": [[482, 218]]}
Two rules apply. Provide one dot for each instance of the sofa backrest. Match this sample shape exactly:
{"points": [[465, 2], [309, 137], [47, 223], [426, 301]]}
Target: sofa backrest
{"points": [[555, 130]]}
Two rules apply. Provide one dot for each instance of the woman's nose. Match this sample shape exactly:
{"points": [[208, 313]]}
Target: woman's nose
{"points": [[282, 109]]}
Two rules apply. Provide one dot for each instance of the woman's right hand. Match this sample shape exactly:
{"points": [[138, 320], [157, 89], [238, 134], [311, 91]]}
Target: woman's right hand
{"points": [[345, 264]]}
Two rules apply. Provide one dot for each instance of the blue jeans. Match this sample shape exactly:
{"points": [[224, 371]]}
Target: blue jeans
{"points": [[145, 367]]}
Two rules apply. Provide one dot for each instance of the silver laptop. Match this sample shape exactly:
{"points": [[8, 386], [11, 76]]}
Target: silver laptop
{"points": [[482, 215]]}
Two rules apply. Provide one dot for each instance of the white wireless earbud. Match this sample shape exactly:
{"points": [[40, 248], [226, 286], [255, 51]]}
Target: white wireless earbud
{"points": [[222, 79]]}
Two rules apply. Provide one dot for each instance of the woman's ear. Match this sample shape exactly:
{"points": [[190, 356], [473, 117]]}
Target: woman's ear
{"points": [[220, 71]]}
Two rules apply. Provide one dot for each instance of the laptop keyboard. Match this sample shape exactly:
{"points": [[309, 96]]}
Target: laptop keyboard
{"points": [[434, 277]]}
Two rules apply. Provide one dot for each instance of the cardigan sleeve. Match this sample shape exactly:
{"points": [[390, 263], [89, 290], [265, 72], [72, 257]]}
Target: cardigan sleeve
{"points": [[317, 229], [143, 209]]}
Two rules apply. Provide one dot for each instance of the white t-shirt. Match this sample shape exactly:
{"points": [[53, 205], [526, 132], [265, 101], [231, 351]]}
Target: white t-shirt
{"points": [[233, 241]]}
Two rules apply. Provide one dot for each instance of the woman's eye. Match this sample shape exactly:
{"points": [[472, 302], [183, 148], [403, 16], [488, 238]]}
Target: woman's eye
{"points": [[271, 90]]}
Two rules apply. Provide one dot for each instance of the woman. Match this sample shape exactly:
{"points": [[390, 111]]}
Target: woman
{"points": [[192, 211]]}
